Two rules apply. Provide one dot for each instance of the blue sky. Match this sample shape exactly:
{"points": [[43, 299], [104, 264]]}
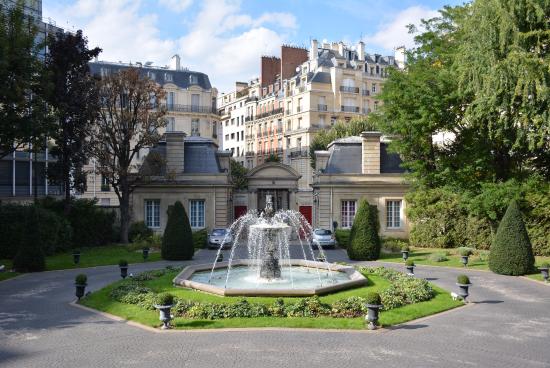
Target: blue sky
{"points": [[225, 38]]}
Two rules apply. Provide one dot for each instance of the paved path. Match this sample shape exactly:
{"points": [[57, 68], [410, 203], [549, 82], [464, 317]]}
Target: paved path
{"points": [[508, 325]]}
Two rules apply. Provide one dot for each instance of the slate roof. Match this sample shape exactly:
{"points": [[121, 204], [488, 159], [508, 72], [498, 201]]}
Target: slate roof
{"points": [[345, 158], [199, 156], [181, 78]]}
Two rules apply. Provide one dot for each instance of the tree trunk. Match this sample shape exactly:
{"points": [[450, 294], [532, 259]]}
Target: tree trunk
{"points": [[67, 184], [124, 215]]}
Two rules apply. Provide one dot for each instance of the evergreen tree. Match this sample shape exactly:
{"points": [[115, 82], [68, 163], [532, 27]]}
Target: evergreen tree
{"points": [[511, 251], [364, 242], [30, 256], [177, 241], [73, 98]]}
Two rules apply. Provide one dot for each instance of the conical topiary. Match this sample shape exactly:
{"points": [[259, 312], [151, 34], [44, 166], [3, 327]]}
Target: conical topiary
{"points": [[177, 242], [30, 256], [511, 251], [364, 243]]}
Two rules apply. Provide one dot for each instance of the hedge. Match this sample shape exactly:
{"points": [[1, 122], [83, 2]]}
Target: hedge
{"points": [[364, 243]]}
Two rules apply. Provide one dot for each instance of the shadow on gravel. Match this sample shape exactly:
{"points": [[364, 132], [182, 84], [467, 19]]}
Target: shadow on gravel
{"points": [[407, 327], [489, 302]]}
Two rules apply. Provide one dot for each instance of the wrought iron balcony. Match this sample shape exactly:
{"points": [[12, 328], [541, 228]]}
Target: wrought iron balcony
{"points": [[349, 109], [190, 108], [322, 107], [366, 92], [349, 89]]}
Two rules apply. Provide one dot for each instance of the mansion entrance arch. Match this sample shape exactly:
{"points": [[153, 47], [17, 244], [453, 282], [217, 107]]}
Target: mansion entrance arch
{"points": [[276, 179]]}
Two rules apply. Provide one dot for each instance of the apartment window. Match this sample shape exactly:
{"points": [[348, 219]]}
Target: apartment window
{"points": [[232, 135], [170, 124], [299, 142], [170, 98], [242, 135], [227, 137], [195, 102], [105, 187], [195, 131], [321, 121], [193, 79], [197, 212], [152, 213], [168, 77], [374, 88], [233, 121], [393, 214], [151, 75], [348, 213], [299, 123]]}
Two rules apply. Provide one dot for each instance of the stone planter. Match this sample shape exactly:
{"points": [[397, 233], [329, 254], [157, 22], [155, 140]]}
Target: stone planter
{"points": [[321, 259], [464, 260], [76, 257], [544, 273], [80, 289], [405, 254], [410, 270], [164, 315], [145, 253], [373, 311], [463, 291], [123, 271]]}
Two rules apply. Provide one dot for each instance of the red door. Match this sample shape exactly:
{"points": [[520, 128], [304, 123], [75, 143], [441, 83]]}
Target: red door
{"points": [[306, 212], [239, 211]]}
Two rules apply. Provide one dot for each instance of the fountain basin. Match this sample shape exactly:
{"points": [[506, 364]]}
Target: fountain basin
{"points": [[308, 278]]}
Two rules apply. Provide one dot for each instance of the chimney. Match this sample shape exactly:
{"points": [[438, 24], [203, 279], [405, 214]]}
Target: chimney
{"points": [[175, 62], [175, 149], [400, 57], [321, 160], [313, 51], [341, 48], [334, 46], [370, 147], [361, 50]]}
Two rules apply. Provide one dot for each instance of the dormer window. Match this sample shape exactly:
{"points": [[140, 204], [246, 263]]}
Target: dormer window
{"points": [[193, 79], [104, 72], [151, 75], [167, 77]]}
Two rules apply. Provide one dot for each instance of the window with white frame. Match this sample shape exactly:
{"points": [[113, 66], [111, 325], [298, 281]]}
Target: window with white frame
{"points": [[152, 213], [170, 124], [195, 130], [168, 77], [197, 212], [348, 213], [393, 214]]}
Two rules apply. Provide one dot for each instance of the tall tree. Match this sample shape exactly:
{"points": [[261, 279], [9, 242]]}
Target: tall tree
{"points": [[73, 97], [128, 122], [23, 113]]}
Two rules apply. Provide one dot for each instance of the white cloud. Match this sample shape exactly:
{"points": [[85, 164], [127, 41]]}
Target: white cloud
{"points": [[176, 5], [395, 33], [222, 41]]}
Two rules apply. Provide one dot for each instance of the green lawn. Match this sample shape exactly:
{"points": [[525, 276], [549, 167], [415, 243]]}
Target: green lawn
{"points": [[89, 257], [421, 256], [100, 300]]}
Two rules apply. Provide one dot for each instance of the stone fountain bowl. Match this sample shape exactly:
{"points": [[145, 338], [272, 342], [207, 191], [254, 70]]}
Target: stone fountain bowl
{"points": [[353, 279]]}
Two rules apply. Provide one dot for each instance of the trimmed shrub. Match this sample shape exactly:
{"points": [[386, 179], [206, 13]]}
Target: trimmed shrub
{"points": [[139, 229], [364, 242], [511, 251], [438, 257], [199, 238], [409, 262], [465, 251], [393, 245], [463, 279], [30, 257], [123, 263], [81, 279], [177, 242], [164, 299], [406, 249], [373, 298], [342, 237], [545, 265]]}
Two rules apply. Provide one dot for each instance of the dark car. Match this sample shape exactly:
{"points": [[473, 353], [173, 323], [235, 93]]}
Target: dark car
{"points": [[217, 236]]}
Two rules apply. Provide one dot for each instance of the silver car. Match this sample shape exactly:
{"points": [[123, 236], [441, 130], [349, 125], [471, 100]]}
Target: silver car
{"points": [[324, 238], [217, 236]]}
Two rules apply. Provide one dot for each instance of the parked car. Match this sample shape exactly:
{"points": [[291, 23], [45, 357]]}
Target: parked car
{"points": [[324, 238], [217, 236]]}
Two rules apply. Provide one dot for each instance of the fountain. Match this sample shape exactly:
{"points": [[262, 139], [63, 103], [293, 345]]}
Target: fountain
{"points": [[267, 268]]}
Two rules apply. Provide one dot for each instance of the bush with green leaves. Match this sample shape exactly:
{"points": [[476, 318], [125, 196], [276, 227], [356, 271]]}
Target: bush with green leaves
{"points": [[438, 257], [199, 238], [394, 245], [139, 229], [511, 251], [164, 299], [544, 265], [81, 279], [123, 263], [342, 237], [409, 262], [465, 251], [177, 242], [373, 298], [364, 244], [463, 280], [29, 256]]}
